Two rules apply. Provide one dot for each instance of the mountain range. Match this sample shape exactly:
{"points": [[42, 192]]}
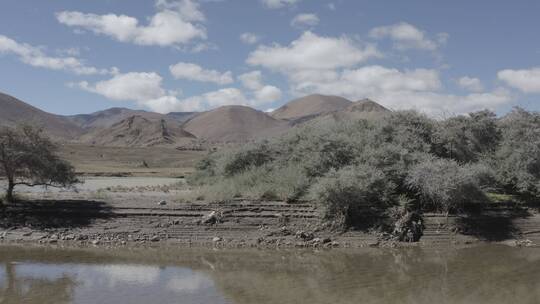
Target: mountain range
{"points": [[188, 130]]}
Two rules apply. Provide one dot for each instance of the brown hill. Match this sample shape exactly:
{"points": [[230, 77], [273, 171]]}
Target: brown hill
{"points": [[362, 109], [234, 124], [311, 106], [366, 105], [109, 117], [106, 118], [14, 111], [139, 131]]}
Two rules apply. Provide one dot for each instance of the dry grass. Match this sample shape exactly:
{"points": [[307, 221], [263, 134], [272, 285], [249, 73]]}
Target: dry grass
{"points": [[120, 161]]}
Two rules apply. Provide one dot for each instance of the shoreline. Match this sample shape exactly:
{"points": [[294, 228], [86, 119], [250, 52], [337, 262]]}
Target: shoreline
{"points": [[136, 219]]}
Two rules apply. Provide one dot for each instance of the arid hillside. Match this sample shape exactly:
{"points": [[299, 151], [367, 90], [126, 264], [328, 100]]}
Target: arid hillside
{"points": [[138, 131], [234, 124], [14, 111], [311, 105]]}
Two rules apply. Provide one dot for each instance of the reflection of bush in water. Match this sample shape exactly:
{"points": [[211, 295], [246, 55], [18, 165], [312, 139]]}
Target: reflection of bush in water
{"points": [[473, 275]]}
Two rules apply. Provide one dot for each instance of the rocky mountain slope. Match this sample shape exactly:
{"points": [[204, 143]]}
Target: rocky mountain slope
{"points": [[139, 131], [14, 111], [137, 128], [234, 124], [311, 105]]}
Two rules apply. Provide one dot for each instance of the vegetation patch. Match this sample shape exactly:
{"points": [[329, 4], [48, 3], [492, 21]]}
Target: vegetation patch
{"points": [[377, 171]]}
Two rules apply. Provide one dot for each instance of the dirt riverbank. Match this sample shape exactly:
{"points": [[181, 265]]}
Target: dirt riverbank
{"points": [[135, 218]]}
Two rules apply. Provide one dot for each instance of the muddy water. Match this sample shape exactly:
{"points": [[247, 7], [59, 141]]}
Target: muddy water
{"points": [[486, 274]]}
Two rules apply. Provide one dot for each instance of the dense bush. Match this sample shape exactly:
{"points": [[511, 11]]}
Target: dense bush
{"points": [[468, 138], [518, 159], [353, 194], [345, 165], [444, 185]]}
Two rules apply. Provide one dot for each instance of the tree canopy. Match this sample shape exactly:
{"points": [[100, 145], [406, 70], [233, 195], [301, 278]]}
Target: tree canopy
{"points": [[27, 157]]}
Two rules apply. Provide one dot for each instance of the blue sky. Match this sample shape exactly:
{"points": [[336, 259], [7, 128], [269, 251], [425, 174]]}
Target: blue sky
{"points": [[440, 57]]}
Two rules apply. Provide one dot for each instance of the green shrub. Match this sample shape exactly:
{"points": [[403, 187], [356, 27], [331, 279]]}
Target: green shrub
{"points": [[442, 165], [353, 194], [468, 138], [265, 182], [252, 156], [518, 158], [444, 185]]}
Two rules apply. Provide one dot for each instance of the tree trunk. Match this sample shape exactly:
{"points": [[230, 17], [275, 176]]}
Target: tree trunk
{"points": [[9, 191]]}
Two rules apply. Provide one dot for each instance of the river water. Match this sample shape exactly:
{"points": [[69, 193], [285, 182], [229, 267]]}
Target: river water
{"points": [[486, 274]]}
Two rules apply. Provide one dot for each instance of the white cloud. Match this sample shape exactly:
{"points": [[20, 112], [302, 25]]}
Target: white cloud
{"points": [[332, 6], [267, 94], [525, 80], [189, 10], [273, 4], [262, 94], [139, 87], [440, 105], [367, 81], [252, 80], [470, 83], [36, 57], [175, 24], [184, 70], [223, 97], [406, 36], [312, 52], [249, 38], [305, 20], [144, 88], [418, 89]]}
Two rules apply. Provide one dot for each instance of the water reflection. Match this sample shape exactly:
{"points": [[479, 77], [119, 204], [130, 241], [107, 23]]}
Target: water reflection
{"points": [[489, 274]]}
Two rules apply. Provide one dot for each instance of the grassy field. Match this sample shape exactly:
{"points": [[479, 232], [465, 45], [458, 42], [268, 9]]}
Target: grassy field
{"points": [[122, 161]]}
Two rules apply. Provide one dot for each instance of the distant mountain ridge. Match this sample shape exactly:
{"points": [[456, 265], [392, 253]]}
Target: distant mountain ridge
{"points": [[127, 127], [139, 131], [14, 111], [311, 105], [234, 124]]}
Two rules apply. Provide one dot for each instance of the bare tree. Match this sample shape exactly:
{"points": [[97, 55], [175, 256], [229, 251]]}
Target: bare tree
{"points": [[27, 157]]}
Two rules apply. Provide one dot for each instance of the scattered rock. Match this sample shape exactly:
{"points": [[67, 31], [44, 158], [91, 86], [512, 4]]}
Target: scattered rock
{"points": [[154, 238], [409, 228], [524, 243], [211, 218], [306, 236], [162, 203], [216, 239], [374, 244], [95, 242]]}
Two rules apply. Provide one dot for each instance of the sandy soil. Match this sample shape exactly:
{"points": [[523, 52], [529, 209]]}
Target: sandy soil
{"points": [[132, 161], [134, 216]]}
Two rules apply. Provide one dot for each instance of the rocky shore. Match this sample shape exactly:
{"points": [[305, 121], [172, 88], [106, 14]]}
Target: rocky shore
{"points": [[133, 219]]}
